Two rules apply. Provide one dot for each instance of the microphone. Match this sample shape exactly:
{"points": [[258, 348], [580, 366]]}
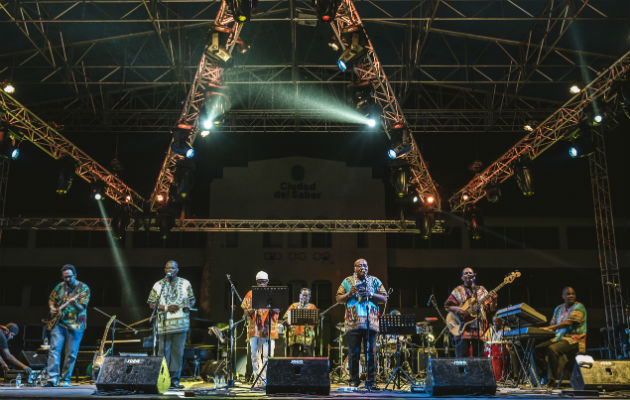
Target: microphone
{"points": [[170, 274], [430, 298]]}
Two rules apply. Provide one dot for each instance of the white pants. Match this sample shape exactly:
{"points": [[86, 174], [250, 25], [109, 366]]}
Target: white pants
{"points": [[258, 346]]}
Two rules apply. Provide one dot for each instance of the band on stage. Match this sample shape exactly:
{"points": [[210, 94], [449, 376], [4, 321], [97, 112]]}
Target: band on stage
{"points": [[473, 328]]}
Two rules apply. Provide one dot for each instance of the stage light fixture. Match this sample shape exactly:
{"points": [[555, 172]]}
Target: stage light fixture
{"points": [[574, 89], [474, 223], [8, 87], [333, 43], [582, 144], [400, 139], [120, 221], [424, 223], [216, 50], [415, 199], [399, 179], [524, 179], [183, 180], [242, 9], [67, 168], [159, 198], [182, 140], [241, 46], [166, 221], [465, 197], [97, 189], [429, 200], [9, 146], [371, 122], [326, 9], [598, 118], [204, 133], [216, 105], [355, 47], [493, 193]]}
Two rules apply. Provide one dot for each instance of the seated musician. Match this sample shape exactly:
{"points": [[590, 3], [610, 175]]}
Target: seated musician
{"points": [[301, 337], [460, 297], [569, 323]]}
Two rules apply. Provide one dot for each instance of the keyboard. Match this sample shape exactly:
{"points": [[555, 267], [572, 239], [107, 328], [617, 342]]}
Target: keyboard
{"points": [[530, 332], [524, 312]]}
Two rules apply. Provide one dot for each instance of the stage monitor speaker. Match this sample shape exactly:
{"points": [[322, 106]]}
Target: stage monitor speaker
{"points": [[307, 375], [34, 359], [446, 376], [140, 374], [601, 375]]}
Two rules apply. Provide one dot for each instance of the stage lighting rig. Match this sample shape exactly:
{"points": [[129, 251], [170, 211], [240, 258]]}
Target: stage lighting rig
{"points": [[120, 221], [9, 145], [399, 181], [524, 178], [217, 104], [474, 223], [242, 9], [182, 141], [581, 143], [217, 51], [7, 87], [165, 220], [67, 168], [326, 9], [493, 193], [183, 181], [355, 42], [425, 222], [400, 142], [97, 190]]}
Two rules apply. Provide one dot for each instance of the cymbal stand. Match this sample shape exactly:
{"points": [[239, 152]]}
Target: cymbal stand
{"points": [[338, 370]]}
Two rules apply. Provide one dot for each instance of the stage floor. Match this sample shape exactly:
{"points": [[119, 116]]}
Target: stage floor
{"points": [[203, 390]]}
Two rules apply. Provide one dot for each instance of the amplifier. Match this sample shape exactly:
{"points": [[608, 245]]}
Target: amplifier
{"points": [[140, 374], [446, 376], [601, 375], [298, 375], [34, 359]]}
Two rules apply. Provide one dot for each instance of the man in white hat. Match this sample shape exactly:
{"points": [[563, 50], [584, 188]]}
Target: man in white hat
{"points": [[257, 329]]}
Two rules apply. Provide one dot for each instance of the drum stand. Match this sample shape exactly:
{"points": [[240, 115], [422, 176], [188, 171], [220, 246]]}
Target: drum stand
{"points": [[398, 371], [339, 369]]}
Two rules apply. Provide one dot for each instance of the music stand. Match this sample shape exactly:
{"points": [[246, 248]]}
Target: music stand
{"points": [[403, 324], [303, 316], [269, 297]]}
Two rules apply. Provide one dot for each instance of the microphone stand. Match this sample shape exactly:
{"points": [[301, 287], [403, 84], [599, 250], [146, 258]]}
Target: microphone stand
{"points": [[230, 382], [153, 315], [321, 328]]}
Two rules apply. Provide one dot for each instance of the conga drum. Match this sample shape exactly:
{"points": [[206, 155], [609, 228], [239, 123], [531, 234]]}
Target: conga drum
{"points": [[498, 353]]}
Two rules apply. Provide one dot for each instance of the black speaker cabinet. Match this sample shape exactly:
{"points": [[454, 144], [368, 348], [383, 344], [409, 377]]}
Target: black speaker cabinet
{"points": [[446, 376], [34, 359], [298, 375], [601, 375], [141, 374]]}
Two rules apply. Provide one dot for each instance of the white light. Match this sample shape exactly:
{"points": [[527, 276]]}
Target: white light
{"points": [[207, 123], [598, 118], [204, 133], [190, 153], [98, 196], [15, 153], [371, 122], [9, 88], [574, 89], [391, 153], [415, 199], [528, 128]]}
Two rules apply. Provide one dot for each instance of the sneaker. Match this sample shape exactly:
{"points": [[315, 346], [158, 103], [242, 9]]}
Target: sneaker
{"points": [[176, 385], [49, 384], [65, 384]]}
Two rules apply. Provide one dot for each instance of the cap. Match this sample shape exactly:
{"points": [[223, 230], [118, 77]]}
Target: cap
{"points": [[13, 328], [262, 276]]}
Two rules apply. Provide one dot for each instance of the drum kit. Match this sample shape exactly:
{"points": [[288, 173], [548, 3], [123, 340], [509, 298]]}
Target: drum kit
{"points": [[415, 351]]}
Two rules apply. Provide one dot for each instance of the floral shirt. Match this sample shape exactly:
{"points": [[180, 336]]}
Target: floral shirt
{"points": [[71, 318], [458, 297], [301, 334], [357, 311], [258, 323], [178, 292], [575, 333]]}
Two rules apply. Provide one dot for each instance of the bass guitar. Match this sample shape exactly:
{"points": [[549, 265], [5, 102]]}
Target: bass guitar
{"points": [[55, 318], [474, 308]]}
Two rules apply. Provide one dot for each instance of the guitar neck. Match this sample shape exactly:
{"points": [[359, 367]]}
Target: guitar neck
{"points": [[496, 289]]}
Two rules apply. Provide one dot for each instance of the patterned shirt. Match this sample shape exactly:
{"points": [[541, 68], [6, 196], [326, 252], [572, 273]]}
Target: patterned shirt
{"points": [[575, 333], [301, 334], [178, 292], [357, 311], [71, 318], [258, 323], [458, 297]]}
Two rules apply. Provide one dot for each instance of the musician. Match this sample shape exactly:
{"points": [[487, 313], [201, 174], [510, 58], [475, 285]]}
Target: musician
{"points": [[361, 293], [173, 296], [258, 330], [472, 335], [67, 333], [569, 324], [7, 333], [301, 337]]}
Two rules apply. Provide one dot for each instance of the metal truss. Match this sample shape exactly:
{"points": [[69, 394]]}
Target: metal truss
{"points": [[371, 70], [28, 126], [208, 77], [218, 225], [556, 127], [614, 305], [4, 182]]}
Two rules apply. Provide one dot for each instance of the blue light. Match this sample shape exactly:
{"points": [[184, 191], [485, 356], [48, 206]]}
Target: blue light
{"points": [[391, 153], [190, 153], [573, 151], [342, 65], [15, 153]]}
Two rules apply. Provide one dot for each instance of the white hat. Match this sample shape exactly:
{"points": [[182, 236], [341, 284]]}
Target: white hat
{"points": [[262, 276]]}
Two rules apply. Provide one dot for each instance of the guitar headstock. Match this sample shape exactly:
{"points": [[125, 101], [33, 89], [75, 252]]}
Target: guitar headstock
{"points": [[511, 277]]}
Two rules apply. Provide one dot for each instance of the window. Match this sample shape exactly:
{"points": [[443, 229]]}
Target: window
{"points": [[321, 240], [297, 240], [272, 240]]}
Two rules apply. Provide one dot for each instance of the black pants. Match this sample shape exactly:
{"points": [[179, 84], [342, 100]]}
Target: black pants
{"points": [[300, 350], [355, 338], [550, 353], [462, 346]]}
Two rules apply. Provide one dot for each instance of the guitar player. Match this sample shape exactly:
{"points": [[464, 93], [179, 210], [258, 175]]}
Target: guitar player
{"points": [[472, 335], [68, 300]]}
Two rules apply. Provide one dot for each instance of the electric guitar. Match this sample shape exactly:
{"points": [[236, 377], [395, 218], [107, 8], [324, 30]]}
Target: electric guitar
{"points": [[55, 318], [474, 308], [99, 356]]}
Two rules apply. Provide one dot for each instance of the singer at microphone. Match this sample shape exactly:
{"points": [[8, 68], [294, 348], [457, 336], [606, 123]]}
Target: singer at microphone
{"points": [[174, 297]]}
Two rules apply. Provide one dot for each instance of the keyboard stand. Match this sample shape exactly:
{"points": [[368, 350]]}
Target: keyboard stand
{"points": [[525, 359]]}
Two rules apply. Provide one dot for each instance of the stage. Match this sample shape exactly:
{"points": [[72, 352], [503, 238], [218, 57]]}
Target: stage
{"points": [[200, 389]]}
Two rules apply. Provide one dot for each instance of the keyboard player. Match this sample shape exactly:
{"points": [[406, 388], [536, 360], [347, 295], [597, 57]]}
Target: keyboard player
{"points": [[569, 324]]}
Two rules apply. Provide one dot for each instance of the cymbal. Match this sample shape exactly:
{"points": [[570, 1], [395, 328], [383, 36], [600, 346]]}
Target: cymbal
{"points": [[431, 319]]}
